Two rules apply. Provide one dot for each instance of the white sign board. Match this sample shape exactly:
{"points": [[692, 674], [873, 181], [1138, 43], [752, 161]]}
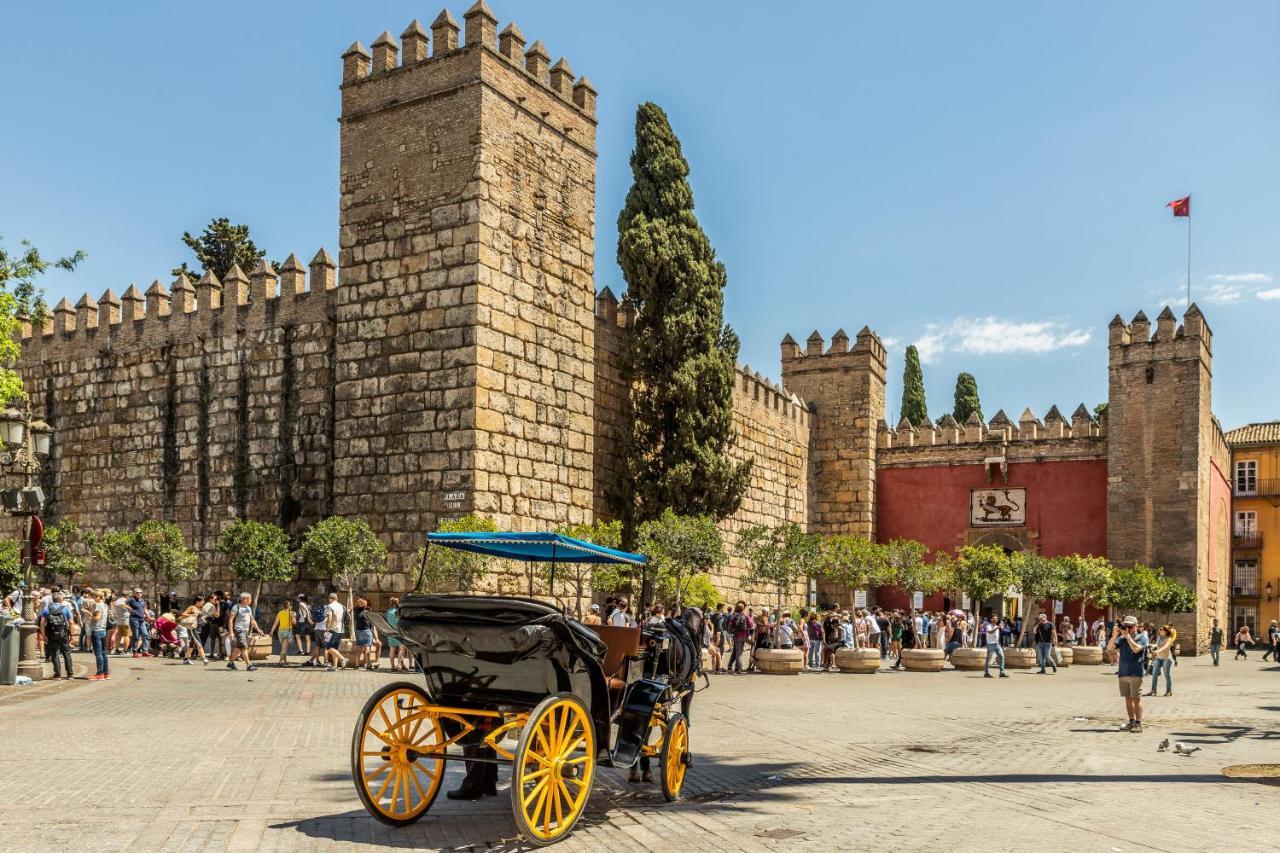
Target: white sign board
{"points": [[1057, 608], [964, 601], [860, 598], [917, 600], [998, 507]]}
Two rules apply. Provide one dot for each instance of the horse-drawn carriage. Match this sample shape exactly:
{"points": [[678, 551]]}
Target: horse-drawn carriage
{"points": [[514, 682]]}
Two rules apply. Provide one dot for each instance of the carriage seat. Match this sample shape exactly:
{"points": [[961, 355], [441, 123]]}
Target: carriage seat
{"points": [[620, 644]]}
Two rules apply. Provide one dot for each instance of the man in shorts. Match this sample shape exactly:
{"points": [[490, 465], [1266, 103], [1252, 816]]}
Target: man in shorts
{"points": [[1132, 648], [240, 624]]}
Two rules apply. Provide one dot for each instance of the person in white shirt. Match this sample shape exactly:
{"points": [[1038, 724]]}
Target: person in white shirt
{"points": [[994, 649], [333, 621], [621, 616]]}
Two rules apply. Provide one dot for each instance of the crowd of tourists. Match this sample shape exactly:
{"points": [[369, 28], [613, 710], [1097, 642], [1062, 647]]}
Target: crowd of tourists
{"points": [[205, 628]]}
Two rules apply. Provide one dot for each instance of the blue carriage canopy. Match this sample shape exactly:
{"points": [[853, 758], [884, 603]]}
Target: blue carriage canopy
{"points": [[535, 547]]}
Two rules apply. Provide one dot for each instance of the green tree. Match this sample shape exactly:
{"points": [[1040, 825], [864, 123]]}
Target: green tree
{"points": [[583, 578], [981, 572], [449, 569], [220, 246], [1131, 588], [1171, 596], [259, 551], [344, 549], [680, 547], [1037, 578], [699, 592], [20, 296], [914, 407], [10, 566], [154, 550], [1084, 578], [966, 398], [678, 357], [65, 550], [1100, 411], [853, 563], [779, 557]]}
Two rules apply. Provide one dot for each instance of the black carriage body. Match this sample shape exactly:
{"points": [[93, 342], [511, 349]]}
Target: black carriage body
{"points": [[488, 652]]}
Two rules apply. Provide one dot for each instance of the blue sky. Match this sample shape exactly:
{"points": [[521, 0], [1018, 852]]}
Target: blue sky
{"points": [[986, 179]]}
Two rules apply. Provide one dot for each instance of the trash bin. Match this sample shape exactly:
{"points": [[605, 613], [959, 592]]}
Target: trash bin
{"points": [[9, 643]]}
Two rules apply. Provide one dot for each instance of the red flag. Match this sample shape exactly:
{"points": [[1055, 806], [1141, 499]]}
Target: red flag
{"points": [[1181, 207]]}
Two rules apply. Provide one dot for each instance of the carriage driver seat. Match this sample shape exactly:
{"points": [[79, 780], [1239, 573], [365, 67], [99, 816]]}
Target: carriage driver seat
{"points": [[620, 644]]}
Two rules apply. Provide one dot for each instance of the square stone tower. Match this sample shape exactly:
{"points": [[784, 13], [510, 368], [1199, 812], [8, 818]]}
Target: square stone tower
{"points": [[845, 390], [464, 328], [1167, 490]]}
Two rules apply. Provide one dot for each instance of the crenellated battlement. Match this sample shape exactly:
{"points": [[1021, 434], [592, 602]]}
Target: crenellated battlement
{"points": [[416, 49], [867, 343], [1000, 429], [1135, 341], [264, 297]]}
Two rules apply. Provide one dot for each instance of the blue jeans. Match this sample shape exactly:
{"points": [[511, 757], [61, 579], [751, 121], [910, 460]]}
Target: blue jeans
{"points": [[994, 650], [100, 650], [1044, 655], [1214, 651], [139, 629], [1165, 664], [951, 647], [815, 654]]}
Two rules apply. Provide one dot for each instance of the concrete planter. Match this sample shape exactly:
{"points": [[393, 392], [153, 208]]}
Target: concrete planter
{"points": [[259, 647], [1086, 656], [780, 661], [1068, 654], [1020, 659], [858, 660], [923, 660], [970, 660]]}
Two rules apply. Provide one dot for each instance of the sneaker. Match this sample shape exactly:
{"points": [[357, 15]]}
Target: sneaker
{"points": [[987, 675], [105, 676], [329, 668], [147, 655], [97, 677], [136, 655], [1004, 675], [1136, 727], [231, 665], [250, 668]]}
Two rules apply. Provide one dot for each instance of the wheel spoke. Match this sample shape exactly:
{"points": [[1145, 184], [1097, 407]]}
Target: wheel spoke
{"points": [[555, 793], [385, 783], [578, 760], [574, 745], [413, 775], [369, 777], [534, 792], [390, 725], [540, 806]]}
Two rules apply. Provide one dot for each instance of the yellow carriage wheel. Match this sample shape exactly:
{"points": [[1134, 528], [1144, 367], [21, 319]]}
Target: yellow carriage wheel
{"points": [[555, 762], [675, 756], [396, 784]]}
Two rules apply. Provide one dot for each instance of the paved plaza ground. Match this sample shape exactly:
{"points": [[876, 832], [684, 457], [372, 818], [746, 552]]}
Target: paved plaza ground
{"points": [[188, 758]]}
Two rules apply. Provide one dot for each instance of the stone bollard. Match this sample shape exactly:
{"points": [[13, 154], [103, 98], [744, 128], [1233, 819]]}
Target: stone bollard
{"points": [[1086, 656], [858, 660], [969, 659], [1020, 659], [923, 660], [780, 661]]}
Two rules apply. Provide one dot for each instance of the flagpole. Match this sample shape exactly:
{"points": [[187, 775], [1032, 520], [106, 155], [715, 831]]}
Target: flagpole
{"points": [[1188, 259]]}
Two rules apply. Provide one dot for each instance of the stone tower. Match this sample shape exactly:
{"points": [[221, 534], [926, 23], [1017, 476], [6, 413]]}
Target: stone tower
{"points": [[465, 320], [845, 391], [1167, 493]]}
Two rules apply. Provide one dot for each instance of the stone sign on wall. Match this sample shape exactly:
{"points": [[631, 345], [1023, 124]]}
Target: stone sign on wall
{"points": [[998, 507]]}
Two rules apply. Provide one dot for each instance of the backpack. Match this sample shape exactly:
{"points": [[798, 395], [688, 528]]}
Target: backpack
{"points": [[55, 624], [737, 622]]}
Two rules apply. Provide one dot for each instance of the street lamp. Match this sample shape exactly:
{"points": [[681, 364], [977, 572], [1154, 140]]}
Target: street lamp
{"points": [[27, 444]]}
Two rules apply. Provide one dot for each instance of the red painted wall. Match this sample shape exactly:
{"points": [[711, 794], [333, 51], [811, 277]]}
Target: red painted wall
{"points": [[1066, 505], [1219, 516]]}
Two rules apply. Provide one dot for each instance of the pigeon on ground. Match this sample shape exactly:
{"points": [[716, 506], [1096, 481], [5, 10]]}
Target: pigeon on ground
{"points": [[1164, 744], [1185, 750]]}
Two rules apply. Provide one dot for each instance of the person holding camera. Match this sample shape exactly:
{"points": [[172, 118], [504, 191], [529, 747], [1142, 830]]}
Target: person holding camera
{"points": [[1131, 645]]}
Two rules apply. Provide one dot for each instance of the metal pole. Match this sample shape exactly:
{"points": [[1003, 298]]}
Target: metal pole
{"points": [[1188, 258], [29, 663]]}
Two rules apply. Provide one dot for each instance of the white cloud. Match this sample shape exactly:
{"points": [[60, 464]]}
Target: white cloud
{"points": [[1223, 289], [1272, 293], [890, 342], [1243, 277], [997, 336]]}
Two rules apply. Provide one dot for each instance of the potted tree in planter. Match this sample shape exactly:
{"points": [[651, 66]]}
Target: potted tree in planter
{"points": [[679, 548], [154, 550], [344, 549], [1085, 578], [905, 558], [1037, 578], [778, 557], [258, 551], [980, 572], [855, 563]]}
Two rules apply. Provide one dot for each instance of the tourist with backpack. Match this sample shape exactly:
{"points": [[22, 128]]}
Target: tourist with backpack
{"points": [[303, 626], [318, 616], [55, 627], [739, 627], [94, 614]]}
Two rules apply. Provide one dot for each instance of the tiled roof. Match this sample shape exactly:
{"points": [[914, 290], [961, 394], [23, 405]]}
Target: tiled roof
{"points": [[1264, 433]]}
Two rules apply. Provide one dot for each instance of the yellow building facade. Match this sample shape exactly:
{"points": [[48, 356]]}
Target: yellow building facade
{"points": [[1255, 520]]}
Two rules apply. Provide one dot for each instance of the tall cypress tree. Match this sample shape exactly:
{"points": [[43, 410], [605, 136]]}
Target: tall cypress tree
{"points": [[914, 408], [679, 355], [966, 398]]}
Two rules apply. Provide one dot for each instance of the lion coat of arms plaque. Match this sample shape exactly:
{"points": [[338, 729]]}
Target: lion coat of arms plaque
{"points": [[998, 507]]}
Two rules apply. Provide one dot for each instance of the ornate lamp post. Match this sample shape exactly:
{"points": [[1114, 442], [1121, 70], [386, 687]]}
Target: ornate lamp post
{"points": [[26, 443]]}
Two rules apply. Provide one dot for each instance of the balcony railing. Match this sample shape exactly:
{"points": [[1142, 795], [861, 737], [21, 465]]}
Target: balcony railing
{"points": [[1261, 489], [1249, 541]]}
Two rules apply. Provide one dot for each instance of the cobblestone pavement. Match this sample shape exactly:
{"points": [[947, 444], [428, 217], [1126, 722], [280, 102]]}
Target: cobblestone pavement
{"points": [[189, 758]]}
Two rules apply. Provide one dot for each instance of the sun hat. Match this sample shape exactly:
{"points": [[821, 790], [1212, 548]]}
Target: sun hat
{"points": [[595, 608], [1130, 620]]}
